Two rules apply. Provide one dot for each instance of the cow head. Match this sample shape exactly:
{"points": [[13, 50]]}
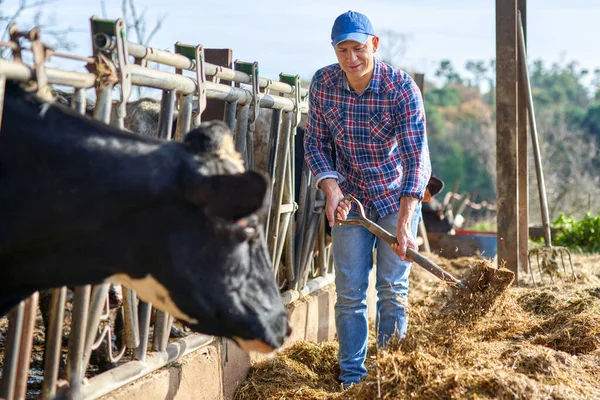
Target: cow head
{"points": [[220, 265]]}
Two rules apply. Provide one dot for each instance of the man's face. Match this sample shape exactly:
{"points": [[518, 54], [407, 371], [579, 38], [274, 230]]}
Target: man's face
{"points": [[356, 59]]}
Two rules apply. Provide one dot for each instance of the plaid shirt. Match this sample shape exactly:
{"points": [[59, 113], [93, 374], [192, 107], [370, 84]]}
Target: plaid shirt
{"points": [[379, 135]]}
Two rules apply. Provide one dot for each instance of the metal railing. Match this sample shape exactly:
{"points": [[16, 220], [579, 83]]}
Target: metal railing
{"points": [[295, 227]]}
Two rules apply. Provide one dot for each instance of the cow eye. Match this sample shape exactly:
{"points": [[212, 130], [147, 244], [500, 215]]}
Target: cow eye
{"points": [[240, 231], [250, 232]]}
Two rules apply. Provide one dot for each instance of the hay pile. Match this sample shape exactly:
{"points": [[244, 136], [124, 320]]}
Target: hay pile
{"points": [[520, 343]]}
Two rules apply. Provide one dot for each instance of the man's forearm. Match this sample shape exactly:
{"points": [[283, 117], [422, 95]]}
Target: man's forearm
{"points": [[330, 187], [408, 205]]}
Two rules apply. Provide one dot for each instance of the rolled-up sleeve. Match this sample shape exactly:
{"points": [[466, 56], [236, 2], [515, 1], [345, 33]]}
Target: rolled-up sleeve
{"points": [[317, 138], [412, 140]]}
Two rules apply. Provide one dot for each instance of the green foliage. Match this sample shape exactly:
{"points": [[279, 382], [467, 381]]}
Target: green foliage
{"points": [[445, 97], [583, 234], [590, 123], [461, 115], [484, 226]]}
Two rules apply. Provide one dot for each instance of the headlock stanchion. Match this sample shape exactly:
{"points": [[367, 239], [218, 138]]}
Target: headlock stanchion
{"points": [[296, 234]]}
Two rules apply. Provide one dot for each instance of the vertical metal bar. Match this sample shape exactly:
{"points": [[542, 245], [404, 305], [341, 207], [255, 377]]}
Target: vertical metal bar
{"points": [[286, 191], [130, 317], [534, 142], [278, 178], [2, 91], [25, 345], [78, 101], [54, 342], [321, 262], [281, 240], [79, 314], [165, 118], [102, 110], [184, 118], [98, 300], [230, 111], [274, 142], [308, 241], [271, 168], [159, 330], [302, 217], [250, 147], [423, 233], [166, 333], [289, 197], [12, 345], [290, 254], [144, 321], [522, 156], [506, 133], [241, 130]]}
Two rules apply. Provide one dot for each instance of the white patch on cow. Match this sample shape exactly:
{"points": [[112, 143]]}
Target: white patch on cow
{"points": [[117, 144], [253, 345], [151, 291]]}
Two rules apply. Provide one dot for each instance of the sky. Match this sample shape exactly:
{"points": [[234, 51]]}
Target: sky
{"points": [[294, 36]]}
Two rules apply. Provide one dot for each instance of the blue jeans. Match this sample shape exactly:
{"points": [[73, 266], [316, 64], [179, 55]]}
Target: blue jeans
{"points": [[353, 254]]}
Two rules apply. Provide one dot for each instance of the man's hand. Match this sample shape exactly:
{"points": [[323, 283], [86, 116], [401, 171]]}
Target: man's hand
{"points": [[403, 231], [335, 205], [405, 240]]}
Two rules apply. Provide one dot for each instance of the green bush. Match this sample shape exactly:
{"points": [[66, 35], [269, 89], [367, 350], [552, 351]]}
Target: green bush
{"points": [[583, 234], [485, 226]]}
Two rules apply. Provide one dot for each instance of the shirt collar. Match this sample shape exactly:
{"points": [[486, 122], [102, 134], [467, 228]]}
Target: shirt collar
{"points": [[374, 84]]}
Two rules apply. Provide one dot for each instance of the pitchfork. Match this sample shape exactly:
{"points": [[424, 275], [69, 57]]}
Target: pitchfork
{"points": [[391, 239], [548, 253]]}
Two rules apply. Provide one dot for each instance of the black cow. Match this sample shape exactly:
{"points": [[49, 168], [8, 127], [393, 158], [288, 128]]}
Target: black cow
{"points": [[435, 218], [180, 223]]}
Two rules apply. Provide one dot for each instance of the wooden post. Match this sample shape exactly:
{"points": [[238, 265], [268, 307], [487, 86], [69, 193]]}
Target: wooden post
{"points": [[506, 133], [215, 109], [422, 231], [522, 159]]}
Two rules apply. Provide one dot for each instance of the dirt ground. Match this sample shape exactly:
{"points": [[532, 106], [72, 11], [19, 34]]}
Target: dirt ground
{"points": [[525, 343]]}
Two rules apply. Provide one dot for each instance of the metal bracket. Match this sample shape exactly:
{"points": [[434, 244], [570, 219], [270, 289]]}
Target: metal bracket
{"points": [[294, 81], [201, 83], [40, 55], [120, 33], [252, 70], [196, 54]]}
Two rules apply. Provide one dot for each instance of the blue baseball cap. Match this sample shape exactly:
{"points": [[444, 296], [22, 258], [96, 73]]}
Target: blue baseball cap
{"points": [[351, 25]]}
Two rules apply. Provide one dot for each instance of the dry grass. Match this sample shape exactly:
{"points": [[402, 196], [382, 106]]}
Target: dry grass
{"points": [[520, 343]]}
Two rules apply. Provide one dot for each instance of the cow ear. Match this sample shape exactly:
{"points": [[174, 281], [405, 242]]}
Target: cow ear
{"points": [[230, 197]]}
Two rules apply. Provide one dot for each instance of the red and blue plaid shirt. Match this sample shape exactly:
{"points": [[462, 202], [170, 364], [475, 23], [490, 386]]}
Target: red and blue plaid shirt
{"points": [[381, 151]]}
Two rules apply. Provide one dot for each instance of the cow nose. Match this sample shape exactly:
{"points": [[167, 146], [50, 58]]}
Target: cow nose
{"points": [[288, 331]]}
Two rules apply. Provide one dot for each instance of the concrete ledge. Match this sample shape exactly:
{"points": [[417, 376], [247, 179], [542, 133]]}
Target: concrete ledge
{"points": [[215, 371]]}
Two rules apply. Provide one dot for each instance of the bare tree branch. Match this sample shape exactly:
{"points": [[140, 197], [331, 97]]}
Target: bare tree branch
{"points": [[57, 38], [157, 27], [392, 46]]}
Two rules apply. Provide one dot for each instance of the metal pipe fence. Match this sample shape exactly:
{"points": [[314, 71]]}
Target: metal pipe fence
{"points": [[296, 234]]}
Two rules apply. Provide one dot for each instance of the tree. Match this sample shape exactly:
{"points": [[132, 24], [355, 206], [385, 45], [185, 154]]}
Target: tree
{"points": [[136, 21], [447, 72], [478, 69], [392, 46], [33, 12]]}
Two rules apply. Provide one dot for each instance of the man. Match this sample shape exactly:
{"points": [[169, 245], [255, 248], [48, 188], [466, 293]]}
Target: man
{"points": [[372, 114]]}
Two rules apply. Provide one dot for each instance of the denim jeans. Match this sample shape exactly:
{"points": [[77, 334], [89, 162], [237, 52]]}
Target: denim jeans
{"points": [[353, 255]]}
